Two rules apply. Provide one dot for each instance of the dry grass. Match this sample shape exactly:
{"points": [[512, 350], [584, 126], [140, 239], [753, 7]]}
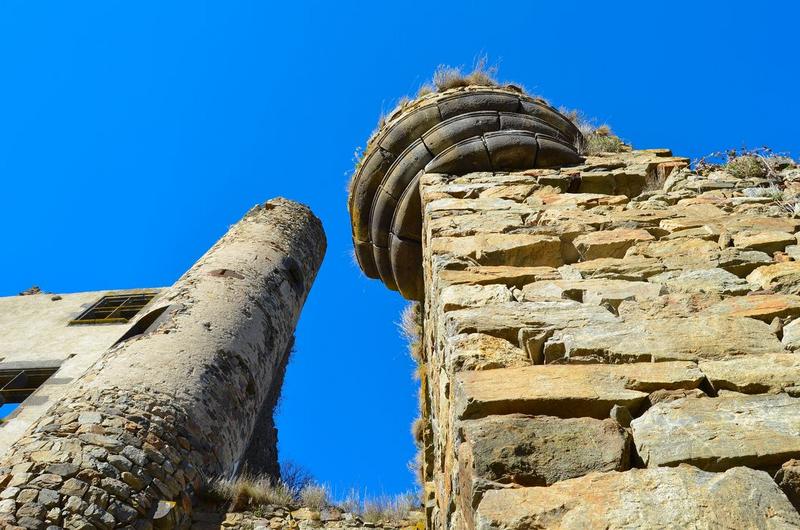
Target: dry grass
{"points": [[418, 430], [747, 166], [602, 142], [761, 162], [250, 491], [596, 138], [314, 496], [447, 77], [411, 328], [382, 508]]}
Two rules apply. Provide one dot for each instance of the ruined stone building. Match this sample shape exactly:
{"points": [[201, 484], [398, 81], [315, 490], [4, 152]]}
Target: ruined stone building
{"points": [[608, 339]]}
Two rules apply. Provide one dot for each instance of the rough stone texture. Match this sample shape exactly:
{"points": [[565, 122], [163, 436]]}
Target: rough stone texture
{"points": [[529, 451], [136, 434], [757, 431], [302, 518], [667, 288], [754, 375], [682, 497], [567, 391]]}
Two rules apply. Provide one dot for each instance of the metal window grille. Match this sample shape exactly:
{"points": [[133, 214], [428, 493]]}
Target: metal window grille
{"points": [[115, 309], [16, 385]]}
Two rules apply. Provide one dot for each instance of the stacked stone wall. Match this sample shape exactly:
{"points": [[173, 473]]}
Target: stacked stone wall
{"points": [[612, 345]]}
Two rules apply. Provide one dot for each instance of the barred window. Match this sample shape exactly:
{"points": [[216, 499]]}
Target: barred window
{"points": [[114, 309]]}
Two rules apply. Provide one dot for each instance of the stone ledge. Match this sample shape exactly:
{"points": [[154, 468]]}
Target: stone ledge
{"points": [[682, 497], [568, 391]]}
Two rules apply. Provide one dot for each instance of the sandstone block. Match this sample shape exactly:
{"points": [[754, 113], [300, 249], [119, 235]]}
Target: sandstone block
{"points": [[682, 497], [791, 335], [764, 307], [505, 320], [754, 375], [714, 280], [731, 430], [502, 249], [632, 268], [567, 391], [461, 296], [476, 351], [609, 243], [595, 292], [780, 277], [788, 478], [510, 276], [768, 241], [663, 339], [532, 450]]}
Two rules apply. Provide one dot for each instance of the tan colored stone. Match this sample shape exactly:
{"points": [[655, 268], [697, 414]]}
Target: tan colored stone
{"points": [[791, 335], [769, 242], [609, 243], [788, 478], [763, 307], [781, 277], [510, 276], [682, 497], [567, 390], [595, 292], [476, 351], [588, 200], [758, 431], [505, 320], [662, 339], [529, 450], [502, 249], [714, 280], [632, 268], [461, 296], [754, 375], [498, 451], [687, 253]]}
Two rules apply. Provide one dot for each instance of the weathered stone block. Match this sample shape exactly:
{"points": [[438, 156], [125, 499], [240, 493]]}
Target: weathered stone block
{"points": [[663, 339], [754, 374], [536, 451], [720, 433], [682, 497], [567, 391], [503, 249], [609, 243]]}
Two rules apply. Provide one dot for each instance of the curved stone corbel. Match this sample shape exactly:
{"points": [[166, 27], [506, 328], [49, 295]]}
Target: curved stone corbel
{"points": [[454, 132]]}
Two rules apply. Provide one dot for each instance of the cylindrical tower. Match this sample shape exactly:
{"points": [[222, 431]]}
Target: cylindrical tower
{"points": [[178, 397]]}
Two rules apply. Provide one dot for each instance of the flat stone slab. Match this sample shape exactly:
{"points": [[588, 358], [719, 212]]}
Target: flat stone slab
{"points": [[568, 391], [758, 431], [502, 249], [754, 375], [504, 320], [663, 339], [713, 280], [763, 307], [595, 292], [609, 243], [682, 497], [781, 277], [540, 450]]}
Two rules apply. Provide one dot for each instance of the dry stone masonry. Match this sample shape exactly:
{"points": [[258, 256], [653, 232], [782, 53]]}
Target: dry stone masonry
{"points": [[609, 340], [177, 400]]}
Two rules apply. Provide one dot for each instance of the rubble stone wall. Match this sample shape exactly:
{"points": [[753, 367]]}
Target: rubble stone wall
{"points": [[177, 400], [611, 345]]}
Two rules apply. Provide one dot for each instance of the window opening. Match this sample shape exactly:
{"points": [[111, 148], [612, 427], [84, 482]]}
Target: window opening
{"points": [[114, 309]]}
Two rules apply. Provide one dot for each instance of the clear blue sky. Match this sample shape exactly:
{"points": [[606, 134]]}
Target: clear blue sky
{"points": [[133, 133]]}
